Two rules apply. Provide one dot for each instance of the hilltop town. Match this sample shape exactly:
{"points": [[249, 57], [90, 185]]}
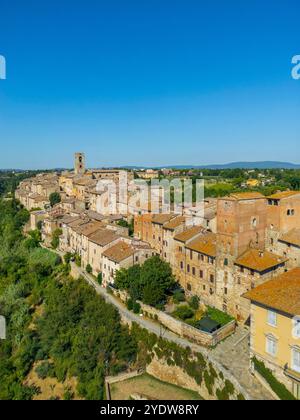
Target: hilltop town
{"points": [[238, 254]]}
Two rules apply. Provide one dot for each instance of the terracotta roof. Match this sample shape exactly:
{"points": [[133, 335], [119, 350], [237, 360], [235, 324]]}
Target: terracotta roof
{"points": [[257, 260], [103, 237], [292, 237], [161, 219], [86, 182], [189, 233], [281, 293], [69, 219], [244, 196], [88, 228], [119, 252], [206, 244], [283, 194], [95, 216], [174, 223]]}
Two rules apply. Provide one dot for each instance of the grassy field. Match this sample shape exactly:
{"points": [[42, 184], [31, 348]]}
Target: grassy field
{"points": [[152, 389]]}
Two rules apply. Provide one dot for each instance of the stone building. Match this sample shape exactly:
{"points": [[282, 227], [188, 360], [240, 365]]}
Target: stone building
{"points": [[122, 255], [241, 230], [198, 267], [283, 225], [79, 163], [180, 241]]}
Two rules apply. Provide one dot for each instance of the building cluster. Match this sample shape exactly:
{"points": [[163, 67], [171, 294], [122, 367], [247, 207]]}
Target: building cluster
{"points": [[241, 254], [248, 267]]}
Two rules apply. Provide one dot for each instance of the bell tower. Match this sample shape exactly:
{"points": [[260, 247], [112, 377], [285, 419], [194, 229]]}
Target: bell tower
{"points": [[79, 163]]}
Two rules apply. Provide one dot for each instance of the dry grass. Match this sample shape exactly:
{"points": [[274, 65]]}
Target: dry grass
{"points": [[50, 387], [151, 388]]}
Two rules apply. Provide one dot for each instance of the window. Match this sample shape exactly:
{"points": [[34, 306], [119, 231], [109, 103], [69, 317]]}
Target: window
{"points": [[271, 346], [225, 290], [296, 359], [189, 287], [194, 271], [291, 212], [226, 261], [188, 268], [296, 328], [181, 265], [191, 255], [254, 222], [272, 318], [201, 274], [212, 278]]}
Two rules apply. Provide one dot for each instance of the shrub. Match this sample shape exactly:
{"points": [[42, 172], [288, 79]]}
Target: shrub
{"points": [[78, 260], [194, 303], [282, 392], [45, 370], [68, 395], [178, 296], [209, 382], [136, 308], [100, 279], [130, 304], [68, 257], [183, 312], [55, 238]]}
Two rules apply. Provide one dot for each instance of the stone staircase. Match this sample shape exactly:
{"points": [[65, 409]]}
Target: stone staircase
{"points": [[234, 355]]}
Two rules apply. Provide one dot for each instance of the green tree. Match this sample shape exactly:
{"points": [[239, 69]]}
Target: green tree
{"points": [[54, 198], [55, 238]]}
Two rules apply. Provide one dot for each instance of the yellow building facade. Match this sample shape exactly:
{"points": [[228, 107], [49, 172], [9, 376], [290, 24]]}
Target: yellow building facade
{"points": [[275, 327]]}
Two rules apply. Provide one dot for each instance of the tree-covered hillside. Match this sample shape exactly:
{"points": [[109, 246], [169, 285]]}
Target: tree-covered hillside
{"points": [[52, 318]]}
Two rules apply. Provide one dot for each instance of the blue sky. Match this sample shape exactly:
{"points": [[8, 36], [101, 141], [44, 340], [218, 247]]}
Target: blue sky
{"points": [[156, 82]]}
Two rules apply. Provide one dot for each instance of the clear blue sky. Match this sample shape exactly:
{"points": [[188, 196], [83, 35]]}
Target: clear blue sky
{"points": [[148, 82]]}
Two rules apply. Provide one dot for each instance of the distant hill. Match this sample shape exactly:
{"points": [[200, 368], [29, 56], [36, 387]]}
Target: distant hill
{"points": [[254, 165], [233, 165]]}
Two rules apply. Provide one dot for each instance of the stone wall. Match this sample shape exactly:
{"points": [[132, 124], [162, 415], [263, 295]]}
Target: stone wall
{"points": [[177, 376], [181, 328]]}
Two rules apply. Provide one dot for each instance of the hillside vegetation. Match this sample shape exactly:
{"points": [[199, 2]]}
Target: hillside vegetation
{"points": [[52, 319]]}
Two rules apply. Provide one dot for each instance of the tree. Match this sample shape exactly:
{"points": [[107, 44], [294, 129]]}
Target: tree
{"points": [[194, 302], [68, 257], [150, 282], [54, 198], [89, 269], [100, 279], [55, 238]]}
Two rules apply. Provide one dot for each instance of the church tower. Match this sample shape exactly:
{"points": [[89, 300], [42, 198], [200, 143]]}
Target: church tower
{"points": [[79, 163]]}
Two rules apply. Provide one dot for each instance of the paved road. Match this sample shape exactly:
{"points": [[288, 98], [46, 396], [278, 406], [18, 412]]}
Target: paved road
{"points": [[231, 358]]}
